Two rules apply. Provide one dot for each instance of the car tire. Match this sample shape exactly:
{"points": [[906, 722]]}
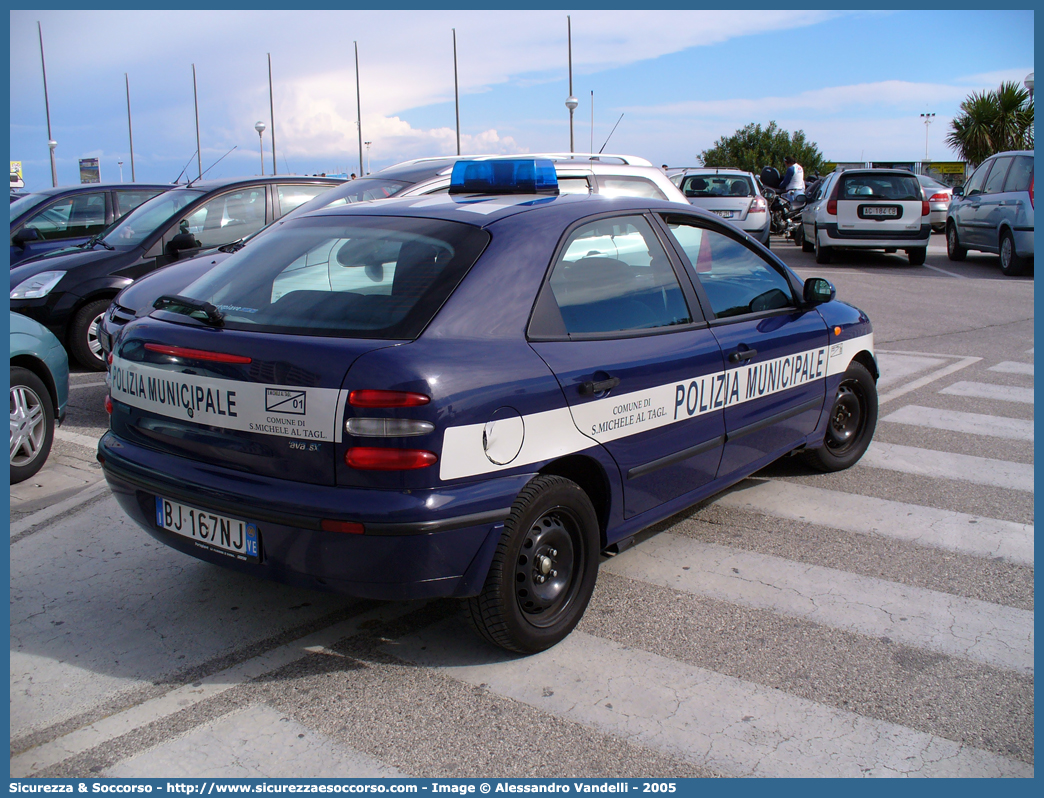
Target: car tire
{"points": [[32, 424], [851, 422], [84, 344], [954, 250], [1011, 264], [823, 254], [917, 255], [801, 241], [525, 606]]}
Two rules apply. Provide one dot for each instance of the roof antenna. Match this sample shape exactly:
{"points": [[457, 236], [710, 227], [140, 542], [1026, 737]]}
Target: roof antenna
{"points": [[219, 160], [611, 133], [176, 179]]}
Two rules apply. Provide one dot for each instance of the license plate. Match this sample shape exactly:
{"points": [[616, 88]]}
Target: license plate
{"points": [[211, 531], [879, 211], [724, 214]]}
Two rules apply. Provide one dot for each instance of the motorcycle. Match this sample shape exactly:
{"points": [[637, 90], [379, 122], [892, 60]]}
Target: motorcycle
{"points": [[784, 214]]}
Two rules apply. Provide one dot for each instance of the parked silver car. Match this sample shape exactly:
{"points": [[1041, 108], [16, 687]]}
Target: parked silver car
{"points": [[939, 196], [731, 194], [993, 212], [868, 209]]}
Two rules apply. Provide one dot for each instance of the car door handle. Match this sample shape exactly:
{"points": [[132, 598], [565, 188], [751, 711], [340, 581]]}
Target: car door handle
{"points": [[745, 354], [591, 387]]}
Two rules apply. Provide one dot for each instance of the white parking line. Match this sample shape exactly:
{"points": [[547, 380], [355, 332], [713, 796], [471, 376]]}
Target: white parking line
{"points": [[79, 439], [867, 515], [51, 753], [947, 465], [732, 726], [943, 271], [927, 619], [967, 423], [985, 390], [74, 386], [1011, 367]]}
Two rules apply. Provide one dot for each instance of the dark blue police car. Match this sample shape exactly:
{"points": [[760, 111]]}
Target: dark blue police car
{"points": [[475, 394]]}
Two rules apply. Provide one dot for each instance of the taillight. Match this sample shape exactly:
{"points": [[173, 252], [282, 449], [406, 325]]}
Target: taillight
{"points": [[388, 427], [832, 207], [108, 404], [368, 458], [758, 205], [196, 354], [372, 398], [939, 198], [925, 208]]}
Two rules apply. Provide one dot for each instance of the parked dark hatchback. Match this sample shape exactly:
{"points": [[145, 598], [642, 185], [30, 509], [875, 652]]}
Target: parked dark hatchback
{"points": [[46, 220], [69, 291], [472, 395]]}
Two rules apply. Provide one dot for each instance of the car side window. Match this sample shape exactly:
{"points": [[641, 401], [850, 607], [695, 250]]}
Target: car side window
{"points": [[72, 217], [613, 276], [974, 184], [736, 280], [628, 186], [127, 201], [573, 185], [1020, 175], [291, 196], [995, 182], [229, 217]]}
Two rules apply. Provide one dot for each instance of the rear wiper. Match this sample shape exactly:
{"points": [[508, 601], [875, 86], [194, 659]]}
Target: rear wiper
{"points": [[175, 303]]}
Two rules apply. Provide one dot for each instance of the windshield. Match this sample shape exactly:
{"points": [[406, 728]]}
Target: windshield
{"points": [[139, 224], [351, 277], [362, 189], [22, 204]]}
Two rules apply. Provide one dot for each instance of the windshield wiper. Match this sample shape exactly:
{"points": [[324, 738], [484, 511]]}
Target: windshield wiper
{"points": [[175, 303], [90, 243], [235, 246]]}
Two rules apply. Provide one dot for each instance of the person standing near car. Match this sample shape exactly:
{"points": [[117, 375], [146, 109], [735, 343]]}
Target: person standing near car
{"points": [[793, 182]]}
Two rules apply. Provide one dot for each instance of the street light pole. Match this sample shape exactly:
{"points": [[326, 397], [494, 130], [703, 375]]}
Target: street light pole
{"points": [[130, 130], [358, 107], [259, 126], [120, 164], [1028, 82], [928, 119], [271, 112], [456, 90], [367, 143], [571, 101], [47, 107]]}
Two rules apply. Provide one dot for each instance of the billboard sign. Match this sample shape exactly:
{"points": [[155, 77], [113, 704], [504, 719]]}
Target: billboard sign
{"points": [[89, 170], [16, 175]]}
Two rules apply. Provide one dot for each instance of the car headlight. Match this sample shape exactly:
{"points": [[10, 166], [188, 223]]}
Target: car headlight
{"points": [[37, 286]]}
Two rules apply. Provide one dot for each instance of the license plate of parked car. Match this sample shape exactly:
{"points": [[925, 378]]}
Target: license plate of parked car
{"points": [[230, 535], [724, 214], [879, 210]]}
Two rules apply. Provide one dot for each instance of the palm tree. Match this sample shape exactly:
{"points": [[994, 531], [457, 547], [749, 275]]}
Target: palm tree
{"points": [[991, 122]]}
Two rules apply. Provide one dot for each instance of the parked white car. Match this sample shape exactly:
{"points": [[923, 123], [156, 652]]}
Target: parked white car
{"points": [[867, 209], [732, 194]]}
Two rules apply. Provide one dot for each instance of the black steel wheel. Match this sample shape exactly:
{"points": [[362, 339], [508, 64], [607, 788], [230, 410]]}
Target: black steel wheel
{"points": [[851, 422], [954, 250], [544, 569]]}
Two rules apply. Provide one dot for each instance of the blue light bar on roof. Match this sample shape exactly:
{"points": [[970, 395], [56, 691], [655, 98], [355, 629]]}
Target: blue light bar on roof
{"points": [[504, 176]]}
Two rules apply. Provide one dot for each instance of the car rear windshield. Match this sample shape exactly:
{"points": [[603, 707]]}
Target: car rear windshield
{"points": [[351, 277], [879, 187], [696, 186]]}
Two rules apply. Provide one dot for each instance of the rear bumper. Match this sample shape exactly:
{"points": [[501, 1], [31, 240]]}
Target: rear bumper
{"points": [[831, 236], [1023, 242], [418, 544]]}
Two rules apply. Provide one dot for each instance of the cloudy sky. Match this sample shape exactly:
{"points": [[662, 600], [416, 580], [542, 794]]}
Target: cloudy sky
{"points": [[854, 81]]}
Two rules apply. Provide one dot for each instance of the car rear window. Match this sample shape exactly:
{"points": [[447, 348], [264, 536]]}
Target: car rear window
{"points": [[879, 187], [696, 186], [351, 277]]}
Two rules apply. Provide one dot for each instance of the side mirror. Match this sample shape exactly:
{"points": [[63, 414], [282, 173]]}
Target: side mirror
{"points": [[817, 291], [958, 191], [181, 243], [25, 235]]}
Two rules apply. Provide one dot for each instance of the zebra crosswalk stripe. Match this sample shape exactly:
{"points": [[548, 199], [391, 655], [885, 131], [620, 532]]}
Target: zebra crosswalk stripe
{"points": [[985, 390], [730, 725], [1012, 367], [926, 526], [947, 465], [952, 625], [966, 423]]}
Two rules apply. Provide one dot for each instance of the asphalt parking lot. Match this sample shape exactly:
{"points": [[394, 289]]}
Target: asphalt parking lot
{"points": [[877, 621]]}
